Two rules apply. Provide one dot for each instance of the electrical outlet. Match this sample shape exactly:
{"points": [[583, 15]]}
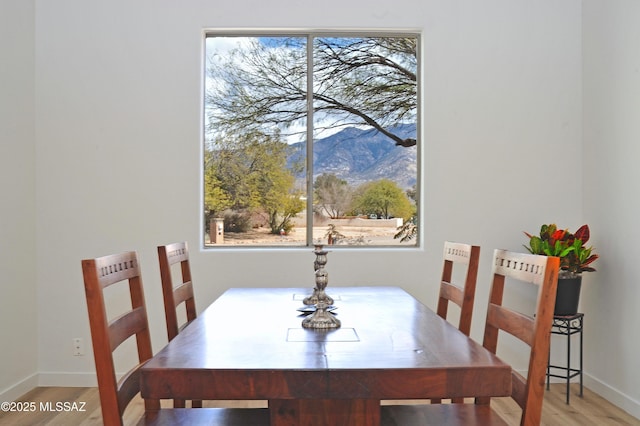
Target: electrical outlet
{"points": [[78, 346]]}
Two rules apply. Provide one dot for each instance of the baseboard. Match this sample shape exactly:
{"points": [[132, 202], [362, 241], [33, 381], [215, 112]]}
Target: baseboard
{"points": [[72, 380], [613, 395], [14, 392]]}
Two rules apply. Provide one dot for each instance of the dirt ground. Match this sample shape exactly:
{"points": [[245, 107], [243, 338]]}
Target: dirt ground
{"points": [[352, 236]]}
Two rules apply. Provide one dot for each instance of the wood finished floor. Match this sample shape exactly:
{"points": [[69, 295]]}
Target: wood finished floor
{"points": [[586, 411]]}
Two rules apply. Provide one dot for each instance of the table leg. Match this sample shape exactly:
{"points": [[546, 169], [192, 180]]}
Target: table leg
{"points": [[324, 412]]}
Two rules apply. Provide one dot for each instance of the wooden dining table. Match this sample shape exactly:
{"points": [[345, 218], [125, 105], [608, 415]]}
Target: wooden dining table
{"points": [[250, 345]]}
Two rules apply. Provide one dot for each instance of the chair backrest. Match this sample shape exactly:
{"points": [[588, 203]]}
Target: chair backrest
{"points": [[462, 295], [174, 295], [534, 330], [107, 334]]}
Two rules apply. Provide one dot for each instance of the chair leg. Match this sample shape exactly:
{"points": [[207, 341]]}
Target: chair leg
{"points": [[196, 404]]}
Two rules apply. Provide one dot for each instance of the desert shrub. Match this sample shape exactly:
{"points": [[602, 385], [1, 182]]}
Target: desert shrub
{"points": [[237, 222]]}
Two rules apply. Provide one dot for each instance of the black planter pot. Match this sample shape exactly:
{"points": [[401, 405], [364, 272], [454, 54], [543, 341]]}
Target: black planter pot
{"points": [[568, 295]]}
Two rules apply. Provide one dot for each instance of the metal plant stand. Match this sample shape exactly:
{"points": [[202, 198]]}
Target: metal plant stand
{"points": [[567, 326]]}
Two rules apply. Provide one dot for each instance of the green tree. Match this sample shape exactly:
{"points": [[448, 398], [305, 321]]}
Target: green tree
{"points": [[248, 173], [370, 81], [278, 200], [216, 197], [332, 195], [409, 229], [383, 198]]}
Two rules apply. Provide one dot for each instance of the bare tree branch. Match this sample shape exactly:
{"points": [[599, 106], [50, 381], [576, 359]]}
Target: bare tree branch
{"points": [[357, 81]]}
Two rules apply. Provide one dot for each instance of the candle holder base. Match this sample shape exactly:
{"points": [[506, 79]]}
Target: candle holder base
{"points": [[321, 319]]}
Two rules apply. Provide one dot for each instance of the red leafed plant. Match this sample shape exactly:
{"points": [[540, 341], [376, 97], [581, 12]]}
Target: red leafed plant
{"points": [[575, 256]]}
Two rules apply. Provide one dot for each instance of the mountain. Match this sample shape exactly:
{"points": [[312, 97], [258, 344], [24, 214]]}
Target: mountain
{"points": [[359, 156]]}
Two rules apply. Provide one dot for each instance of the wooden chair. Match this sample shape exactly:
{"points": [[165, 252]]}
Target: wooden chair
{"points": [[462, 256], [107, 335], [468, 256], [532, 330], [174, 296]]}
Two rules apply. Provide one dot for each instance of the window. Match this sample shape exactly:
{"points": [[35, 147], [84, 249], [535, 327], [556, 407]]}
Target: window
{"points": [[311, 139]]}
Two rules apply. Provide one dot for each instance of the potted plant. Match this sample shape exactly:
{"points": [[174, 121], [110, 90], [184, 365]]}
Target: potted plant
{"points": [[575, 258]]}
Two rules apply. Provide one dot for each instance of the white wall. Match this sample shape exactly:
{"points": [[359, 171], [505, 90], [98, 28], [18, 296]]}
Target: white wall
{"points": [[611, 186], [18, 332], [118, 142], [117, 107]]}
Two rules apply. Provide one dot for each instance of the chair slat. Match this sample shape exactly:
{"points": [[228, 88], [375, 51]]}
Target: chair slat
{"points": [[182, 293], [512, 322], [451, 292], [127, 325], [115, 268]]}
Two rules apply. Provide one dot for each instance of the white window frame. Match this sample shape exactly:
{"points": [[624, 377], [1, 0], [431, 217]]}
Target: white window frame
{"points": [[310, 35]]}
